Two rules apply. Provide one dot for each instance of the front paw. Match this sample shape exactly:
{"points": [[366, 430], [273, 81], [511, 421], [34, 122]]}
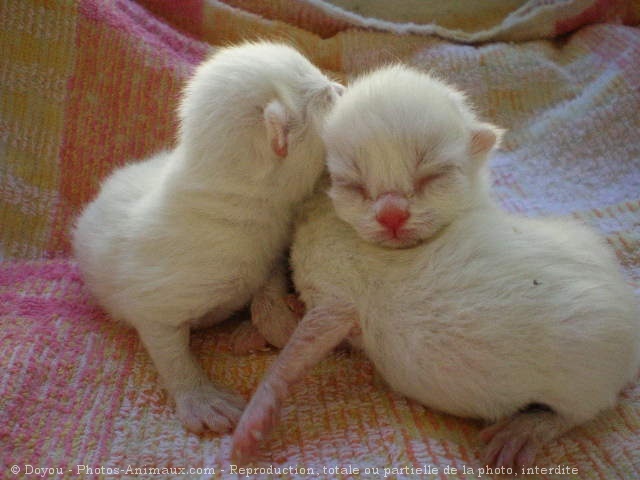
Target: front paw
{"points": [[256, 423], [207, 407]]}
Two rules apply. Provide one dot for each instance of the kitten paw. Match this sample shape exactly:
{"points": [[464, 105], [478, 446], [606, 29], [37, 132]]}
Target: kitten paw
{"points": [[297, 306], [207, 407], [257, 421], [275, 317], [507, 447], [246, 338], [514, 441]]}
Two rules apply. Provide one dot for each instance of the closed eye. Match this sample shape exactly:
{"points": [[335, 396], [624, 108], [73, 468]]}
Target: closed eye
{"points": [[352, 187], [425, 181]]}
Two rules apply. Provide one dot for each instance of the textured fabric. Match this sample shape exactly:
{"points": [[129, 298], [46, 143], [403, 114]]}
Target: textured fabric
{"points": [[86, 86]]}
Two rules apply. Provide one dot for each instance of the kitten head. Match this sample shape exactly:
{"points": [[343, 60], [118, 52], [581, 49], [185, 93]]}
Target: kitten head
{"points": [[406, 155], [259, 95]]}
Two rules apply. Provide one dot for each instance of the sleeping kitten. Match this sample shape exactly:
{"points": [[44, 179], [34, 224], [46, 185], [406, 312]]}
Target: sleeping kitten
{"points": [[188, 236], [525, 323]]}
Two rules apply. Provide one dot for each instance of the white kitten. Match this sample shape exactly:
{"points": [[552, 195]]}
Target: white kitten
{"points": [[527, 323], [198, 230]]}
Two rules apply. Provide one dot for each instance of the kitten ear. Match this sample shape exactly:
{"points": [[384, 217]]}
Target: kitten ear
{"points": [[276, 120], [484, 137], [338, 88]]}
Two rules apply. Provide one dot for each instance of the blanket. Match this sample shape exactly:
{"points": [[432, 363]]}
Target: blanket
{"points": [[88, 85]]}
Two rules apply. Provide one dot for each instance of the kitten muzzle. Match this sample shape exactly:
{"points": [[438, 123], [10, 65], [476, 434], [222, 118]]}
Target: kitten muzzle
{"points": [[392, 212]]}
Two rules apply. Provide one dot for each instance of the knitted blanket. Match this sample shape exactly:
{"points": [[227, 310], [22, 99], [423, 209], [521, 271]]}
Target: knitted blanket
{"points": [[88, 85]]}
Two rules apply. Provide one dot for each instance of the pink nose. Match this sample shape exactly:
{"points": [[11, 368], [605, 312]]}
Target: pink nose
{"points": [[392, 217]]}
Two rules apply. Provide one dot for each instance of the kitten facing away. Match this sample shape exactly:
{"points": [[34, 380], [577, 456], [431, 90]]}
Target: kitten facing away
{"points": [[525, 323], [188, 236]]}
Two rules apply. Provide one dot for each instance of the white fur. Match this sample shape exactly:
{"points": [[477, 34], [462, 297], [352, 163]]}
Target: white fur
{"points": [[489, 312], [388, 143], [198, 229], [494, 313]]}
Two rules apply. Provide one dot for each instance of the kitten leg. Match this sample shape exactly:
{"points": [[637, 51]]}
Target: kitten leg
{"points": [[199, 404], [318, 333], [271, 310], [514, 441]]}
